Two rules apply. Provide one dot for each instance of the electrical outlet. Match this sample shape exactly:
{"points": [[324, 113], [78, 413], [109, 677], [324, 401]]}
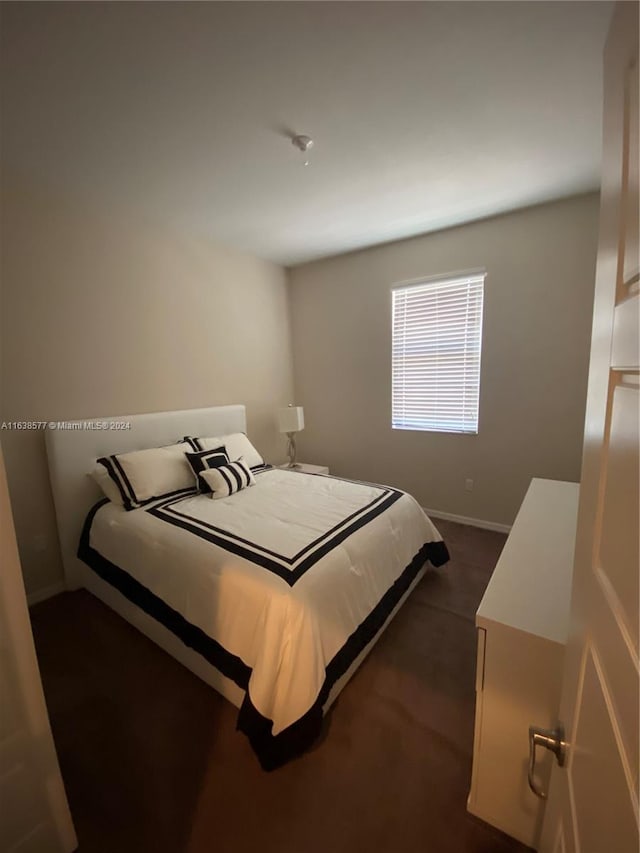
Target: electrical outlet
{"points": [[468, 485]]}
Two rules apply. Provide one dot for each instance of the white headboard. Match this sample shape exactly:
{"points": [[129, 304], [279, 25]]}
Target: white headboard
{"points": [[72, 453]]}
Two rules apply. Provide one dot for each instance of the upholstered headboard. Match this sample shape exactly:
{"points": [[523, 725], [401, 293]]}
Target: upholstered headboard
{"points": [[74, 446]]}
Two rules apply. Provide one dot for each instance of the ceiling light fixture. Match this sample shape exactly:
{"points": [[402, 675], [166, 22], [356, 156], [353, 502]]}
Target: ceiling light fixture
{"points": [[303, 143]]}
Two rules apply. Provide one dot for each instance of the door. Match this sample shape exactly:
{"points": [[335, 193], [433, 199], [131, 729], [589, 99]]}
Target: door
{"points": [[34, 816], [593, 799]]}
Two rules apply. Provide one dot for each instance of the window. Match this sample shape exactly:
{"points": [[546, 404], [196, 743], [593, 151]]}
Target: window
{"points": [[437, 338]]}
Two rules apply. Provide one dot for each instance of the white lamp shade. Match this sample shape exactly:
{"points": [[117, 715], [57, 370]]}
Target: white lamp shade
{"points": [[291, 419]]}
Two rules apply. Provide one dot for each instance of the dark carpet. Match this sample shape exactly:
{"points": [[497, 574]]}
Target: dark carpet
{"points": [[152, 761]]}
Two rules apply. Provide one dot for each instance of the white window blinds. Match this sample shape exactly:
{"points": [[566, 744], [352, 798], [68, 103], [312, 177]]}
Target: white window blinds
{"points": [[437, 338]]}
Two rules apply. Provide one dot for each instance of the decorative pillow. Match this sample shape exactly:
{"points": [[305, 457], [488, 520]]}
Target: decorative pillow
{"points": [[108, 487], [204, 460], [228, 479], [145, 475], [236, 444]]}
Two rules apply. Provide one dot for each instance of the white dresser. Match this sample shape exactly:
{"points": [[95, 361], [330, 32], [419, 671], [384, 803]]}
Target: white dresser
{"points": [[522, 624]]}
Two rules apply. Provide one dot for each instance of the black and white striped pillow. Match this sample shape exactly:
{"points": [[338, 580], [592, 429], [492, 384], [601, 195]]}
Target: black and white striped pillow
{"points": [[205, 460], [228, 479], [142, 476], [236, 443]]}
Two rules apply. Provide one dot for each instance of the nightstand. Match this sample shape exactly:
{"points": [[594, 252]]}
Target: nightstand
{"points": [[303, 468]]}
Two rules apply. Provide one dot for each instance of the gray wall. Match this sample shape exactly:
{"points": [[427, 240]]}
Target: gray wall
{"points": [[540, 266], [106, 315], [103, 314]]}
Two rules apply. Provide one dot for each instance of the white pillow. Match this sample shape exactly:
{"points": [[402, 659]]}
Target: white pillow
{"points": [[143, 475], [237, 445], [226, 480], [109, 488]]}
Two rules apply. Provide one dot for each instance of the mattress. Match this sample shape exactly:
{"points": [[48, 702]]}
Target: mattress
{"points": [[279, 586]]}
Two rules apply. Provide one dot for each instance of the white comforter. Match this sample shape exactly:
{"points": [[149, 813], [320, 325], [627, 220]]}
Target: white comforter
{"points": [[280, 574]]}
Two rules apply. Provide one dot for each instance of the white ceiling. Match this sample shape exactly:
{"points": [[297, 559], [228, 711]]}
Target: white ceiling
{"points": [[424, 114]]}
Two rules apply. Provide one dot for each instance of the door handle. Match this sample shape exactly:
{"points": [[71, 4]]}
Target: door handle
{"points": [[552, 739]]}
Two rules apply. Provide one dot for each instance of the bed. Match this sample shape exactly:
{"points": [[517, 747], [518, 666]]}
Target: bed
{"points": [[273, 595]]}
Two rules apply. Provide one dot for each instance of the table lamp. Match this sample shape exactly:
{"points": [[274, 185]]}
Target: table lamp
{"points": [[291, 421]]}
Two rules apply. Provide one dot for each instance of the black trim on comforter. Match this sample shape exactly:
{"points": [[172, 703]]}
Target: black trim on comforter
{"points": [[272, 750], [275, 750], [294, 567], [192, 636]]}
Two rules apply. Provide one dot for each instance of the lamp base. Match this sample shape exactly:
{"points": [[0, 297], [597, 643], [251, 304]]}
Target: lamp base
{"points": [[291, 450]]}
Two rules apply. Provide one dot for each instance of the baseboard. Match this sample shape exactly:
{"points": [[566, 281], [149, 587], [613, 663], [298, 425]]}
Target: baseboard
{"points": [[44, 593], [472, 522]]}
